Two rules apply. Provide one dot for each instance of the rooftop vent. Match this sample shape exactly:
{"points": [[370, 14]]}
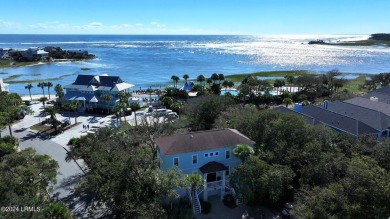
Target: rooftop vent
{"points": [[375, 99]]}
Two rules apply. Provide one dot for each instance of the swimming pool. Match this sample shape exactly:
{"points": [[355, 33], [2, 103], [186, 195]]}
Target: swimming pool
{"points": [[231, 91]]}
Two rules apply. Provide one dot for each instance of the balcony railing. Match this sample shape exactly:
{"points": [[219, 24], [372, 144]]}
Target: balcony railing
{"points": [[214, 184]]}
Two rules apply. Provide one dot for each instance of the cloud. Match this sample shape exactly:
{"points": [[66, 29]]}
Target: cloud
{"points": [[6, 24], [157, 24], [93, 25]]}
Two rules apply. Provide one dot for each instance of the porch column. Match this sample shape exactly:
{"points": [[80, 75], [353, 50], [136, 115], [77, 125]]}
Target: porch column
{"points": [[205, 195], [223, 184]]}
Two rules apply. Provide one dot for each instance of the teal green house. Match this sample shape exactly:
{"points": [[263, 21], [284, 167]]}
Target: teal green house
{"points": [[208, 153]]}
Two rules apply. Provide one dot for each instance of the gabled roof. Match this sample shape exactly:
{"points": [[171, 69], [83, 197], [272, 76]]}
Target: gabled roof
{"points": [[200, 141], [83, 80], [307, 118], [212, 167], [367, 103], [373, 118], [109, 81], [338, 121]]}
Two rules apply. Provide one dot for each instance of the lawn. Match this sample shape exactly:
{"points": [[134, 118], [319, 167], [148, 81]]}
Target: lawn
{"points": [[296, 73]]}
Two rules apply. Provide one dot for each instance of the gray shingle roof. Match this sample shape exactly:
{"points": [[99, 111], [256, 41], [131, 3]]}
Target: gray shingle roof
{"points": [[338, 121], [385, 90], [367, 103], [200, 141], [373, 118], [382, 97]]}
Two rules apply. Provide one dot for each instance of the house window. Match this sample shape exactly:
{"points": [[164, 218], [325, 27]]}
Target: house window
{"points": [[227, 155], [211, 154], [206, 155], [194, 159], [227, 171], [176, 161], [216, 153]]}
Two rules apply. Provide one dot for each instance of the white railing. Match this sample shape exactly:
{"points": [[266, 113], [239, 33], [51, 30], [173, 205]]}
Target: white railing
{"points": [[196, 206], [214, 184]]}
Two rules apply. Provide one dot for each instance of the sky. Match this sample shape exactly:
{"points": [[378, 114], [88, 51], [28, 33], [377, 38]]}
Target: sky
{"points": [[241, 17]]}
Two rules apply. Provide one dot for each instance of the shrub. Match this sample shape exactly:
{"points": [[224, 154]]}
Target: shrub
{"points": [[206, 207], [229, 201]]}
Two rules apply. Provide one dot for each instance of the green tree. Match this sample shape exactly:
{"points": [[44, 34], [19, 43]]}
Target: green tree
{"points": [[290, 80], [209, 81], [56, 211], [185, 77], [59, 92], [75, 105], [243, 151], [287, 101], [225, 84], [134, 107], [126, 178], [25, 178], [214, 77], [9, 109], [42, 85], [49, 85], [28, 87], [52, 112], [221, 77], [175, 79], [196, 182], [150, 92], [203, 112], [201, 79], [43, 101]]}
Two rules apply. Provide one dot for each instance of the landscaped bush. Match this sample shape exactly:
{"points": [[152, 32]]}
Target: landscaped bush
{"points": [[206, 207], [228, 201]]}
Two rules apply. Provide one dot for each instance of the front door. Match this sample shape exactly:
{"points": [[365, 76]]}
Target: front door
{"points": [[211, 177]]}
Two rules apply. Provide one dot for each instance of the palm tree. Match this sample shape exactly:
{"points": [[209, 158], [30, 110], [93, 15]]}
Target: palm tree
{"points": [[43, 100], [59, 92], [221, 77], [175, 79], [201, 79], [158, 92], [29, 86], [243, 151], [290, 80], [134, 107], [209, 81], [287, 101], [75, 105], [225, 84], [123, 103], [214, 77], [42, 85], [49, 85], [196, 181], [149, 91], [106, 99], [230, 84], [68, 106], [186, 76], [52, 111]]}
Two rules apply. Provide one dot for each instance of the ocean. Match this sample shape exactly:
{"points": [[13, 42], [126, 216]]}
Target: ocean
{"points": [[151, 60]]}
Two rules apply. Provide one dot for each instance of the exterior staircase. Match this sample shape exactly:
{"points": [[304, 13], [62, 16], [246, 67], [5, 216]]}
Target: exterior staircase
{"points": [[194, 199], [233, 192]]}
